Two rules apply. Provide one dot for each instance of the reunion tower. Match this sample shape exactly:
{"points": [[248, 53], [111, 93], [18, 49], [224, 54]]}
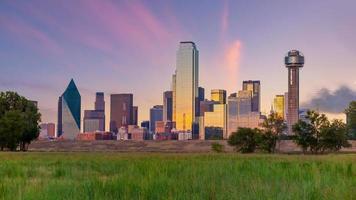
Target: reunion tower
{"points": [[293, 61]]}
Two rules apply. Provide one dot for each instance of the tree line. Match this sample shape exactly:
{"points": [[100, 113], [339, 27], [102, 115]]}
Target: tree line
{"points": [[19, 121], [315, 134]]}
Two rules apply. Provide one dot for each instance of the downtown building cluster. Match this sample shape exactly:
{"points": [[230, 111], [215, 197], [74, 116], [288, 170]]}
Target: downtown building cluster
{"points": [[185, 112]]}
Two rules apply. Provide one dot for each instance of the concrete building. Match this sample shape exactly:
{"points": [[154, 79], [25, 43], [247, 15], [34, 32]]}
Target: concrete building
{"points": [[121, 111], [94, 120], [186, 85], [156, 114], [69, 108], [167, 106], [293, 61], [278, 105], [255, 88], [218, 96]]}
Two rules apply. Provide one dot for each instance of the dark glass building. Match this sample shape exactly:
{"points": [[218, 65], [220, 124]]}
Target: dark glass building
{"points": [[156, 114], [167, 106], [121, 111], [69, 108]]}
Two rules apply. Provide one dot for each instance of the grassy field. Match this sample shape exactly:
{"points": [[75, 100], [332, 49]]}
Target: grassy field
{"points": [[176, 176]]}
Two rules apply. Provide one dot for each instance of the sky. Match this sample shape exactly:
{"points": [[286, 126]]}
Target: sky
{"points": [[130, 46]]}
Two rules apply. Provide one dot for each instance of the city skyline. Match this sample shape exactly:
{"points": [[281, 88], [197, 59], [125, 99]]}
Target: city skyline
{"points": [[231, 52]]}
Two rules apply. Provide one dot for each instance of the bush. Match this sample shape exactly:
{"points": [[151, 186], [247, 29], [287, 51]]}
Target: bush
{"points": [[245, 140], [216, 147]]}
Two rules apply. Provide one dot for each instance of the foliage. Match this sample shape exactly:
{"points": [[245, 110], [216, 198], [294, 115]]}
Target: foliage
{"points": [[19, 118], [317, 134], [273, 128], [351, 119], [217, 147], [245, 140]]}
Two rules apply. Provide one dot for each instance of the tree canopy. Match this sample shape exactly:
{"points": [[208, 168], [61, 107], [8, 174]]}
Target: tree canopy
{"points": [[19, 119]]}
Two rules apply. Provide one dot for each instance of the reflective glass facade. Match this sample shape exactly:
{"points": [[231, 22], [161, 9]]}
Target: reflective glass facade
{"points": [[232, 114], [69, 108], [278, 105], [255, 88], [186, 85], [218, 96], [217, 118]]}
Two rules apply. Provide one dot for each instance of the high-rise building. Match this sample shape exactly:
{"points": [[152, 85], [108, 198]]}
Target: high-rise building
{"points": [[135, 115], [145, 124], [215, 123], [246, 118], [167, 106], [47, 131], [278, 105], [218, 96], [69, 107], [206, 106], [156, 114], [255, 88], [244, 102], [285, 106], [293, 61], [174, 80], [121, 110], [186, 85], [232, 114], [94, 120], [99, 102], [201, 93]]}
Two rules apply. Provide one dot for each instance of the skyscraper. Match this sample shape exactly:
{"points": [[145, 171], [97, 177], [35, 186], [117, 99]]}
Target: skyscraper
{"points": [[69, 107], [219, 96], [215, 123], [94, 120], [167, 106], [174, 80], [293, 61], [232, 109], [201, 93], [186, 85], [278, 105], [156, 114], [121, 110], [255, 88], [135, 115]]}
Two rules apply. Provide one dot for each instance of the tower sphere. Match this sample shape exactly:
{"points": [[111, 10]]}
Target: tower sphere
{"points": [[294, 58]]}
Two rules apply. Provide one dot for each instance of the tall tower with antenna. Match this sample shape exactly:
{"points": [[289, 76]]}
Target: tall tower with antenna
{"points": [[293, 61]]}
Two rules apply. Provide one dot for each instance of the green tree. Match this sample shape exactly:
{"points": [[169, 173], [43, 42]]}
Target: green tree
{"points": [[11, 128], [317, 134], [244, 140], [11, 102], [351, 119], [273, 128]]}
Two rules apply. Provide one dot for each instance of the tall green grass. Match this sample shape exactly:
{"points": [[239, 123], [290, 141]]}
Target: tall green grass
{"points": [[175, 176]]}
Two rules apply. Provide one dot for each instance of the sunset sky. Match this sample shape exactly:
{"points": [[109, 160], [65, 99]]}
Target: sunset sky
{"points": [[130, 47]]}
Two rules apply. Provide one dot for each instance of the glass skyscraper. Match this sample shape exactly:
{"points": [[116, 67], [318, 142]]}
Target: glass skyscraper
{"points": [[186, 85], [232, 115], [218, 96], [278, 105], [121, 110], [69, 108], [255, 88], [167, 106], [156, 114]]}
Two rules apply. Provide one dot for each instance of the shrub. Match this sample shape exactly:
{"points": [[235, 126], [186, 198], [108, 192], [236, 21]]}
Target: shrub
{"points": [[216, 147]]}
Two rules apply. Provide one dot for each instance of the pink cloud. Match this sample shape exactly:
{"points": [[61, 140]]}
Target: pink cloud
{"points": [[25, 31], [225, 18], [232, 62]]}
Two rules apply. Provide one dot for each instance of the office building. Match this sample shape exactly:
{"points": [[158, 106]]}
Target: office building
{"points": [[145, 124], [293, 61], [121, 111], [278, 105], [232, 114], [156, 114], [186, 85], [215, 123], [246, 118], [255, 88], [167, 106], [47, 131], [285, 106], [135, 115], [218, 96], [206, 106], [69, 108], [94, 120], [174, 80]]}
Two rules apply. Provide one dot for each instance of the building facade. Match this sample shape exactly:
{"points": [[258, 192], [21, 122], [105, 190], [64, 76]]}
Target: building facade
{"points": [[216, 120], [186, 85], [255, 88], [168, 106], [232, 114], [69, 108], [218, 96], [156, 114], [121, 111], [278, 105]]}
